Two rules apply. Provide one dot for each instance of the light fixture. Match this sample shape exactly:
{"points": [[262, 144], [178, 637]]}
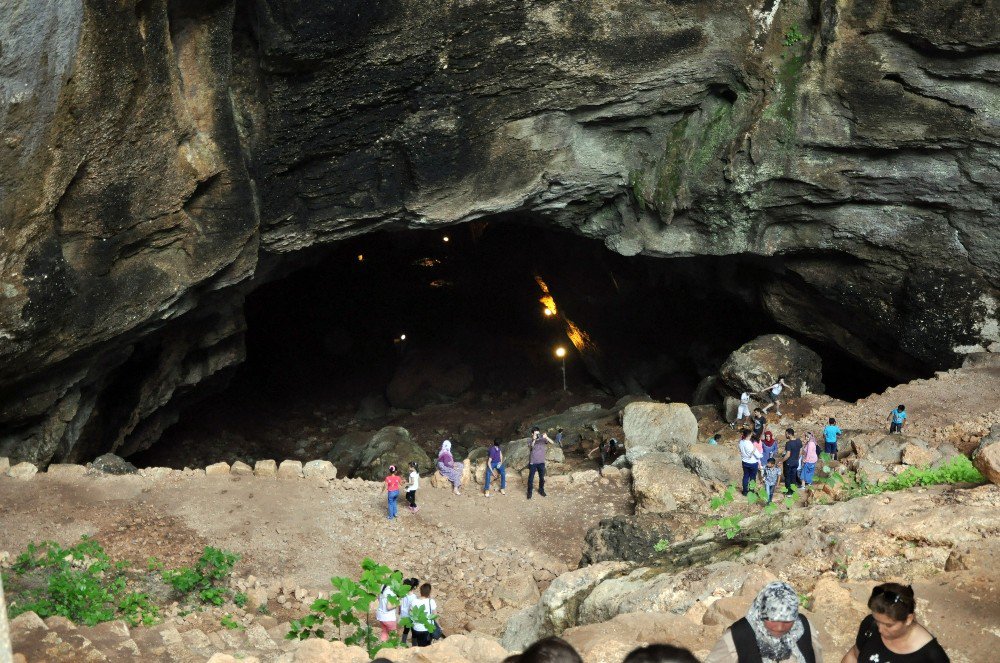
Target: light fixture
{"points": [[361, 257], [547, 312], [561, 354], [446, 238]]}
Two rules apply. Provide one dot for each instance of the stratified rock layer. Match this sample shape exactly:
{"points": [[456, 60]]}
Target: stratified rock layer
{"points": [[152, 174]]}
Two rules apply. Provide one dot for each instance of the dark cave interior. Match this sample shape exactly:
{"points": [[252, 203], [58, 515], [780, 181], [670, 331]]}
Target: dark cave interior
{"points": [[331, 332]]}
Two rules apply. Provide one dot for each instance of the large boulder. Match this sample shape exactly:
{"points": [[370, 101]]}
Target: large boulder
{"points": [[112, 464], [759, 363], [624, 538], [717, 463], [346, 451], [390, 446], [423, 379], [986, 457], [661, 485], [664, 427], [902, 449]]}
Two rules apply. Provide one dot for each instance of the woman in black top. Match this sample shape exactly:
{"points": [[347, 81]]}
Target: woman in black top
{"points": [[891, 634]]}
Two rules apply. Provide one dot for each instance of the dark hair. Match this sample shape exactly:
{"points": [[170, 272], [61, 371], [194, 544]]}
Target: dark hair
{"points": [[755, 437], [756, 409], [770, 460], [413, 464], [781, 377], [832, 420], [392, 469], [497, 441], [411, 582], [660, 654], [425, 589], [893, 600], [547, 650], [744, 433], [535, 429], [901, 407], [790, 431]]}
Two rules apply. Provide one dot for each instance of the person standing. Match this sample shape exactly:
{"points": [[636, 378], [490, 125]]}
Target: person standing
{"points": [[391, 487], [559, 437], [831, 434], [809, 459], [495, 464], [421, 636], [743, 411], [412, 485], [773, 631], [897, 419], [771, 474], [768, 447], [759, 422], [385, 612], [405, 603], [790, 461], [891, 632], [774, 395], [536, 460], [750, 459]]}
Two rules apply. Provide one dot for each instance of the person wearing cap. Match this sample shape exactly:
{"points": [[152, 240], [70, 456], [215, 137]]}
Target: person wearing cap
{"points": [[391, 486]]}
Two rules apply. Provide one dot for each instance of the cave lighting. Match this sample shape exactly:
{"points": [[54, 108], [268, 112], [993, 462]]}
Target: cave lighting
{"points": [[560, 352], [547, 312], [446, 239], [361, 257], [402, 337]]}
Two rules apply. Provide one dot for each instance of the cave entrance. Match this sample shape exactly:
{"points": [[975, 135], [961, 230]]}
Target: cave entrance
{"points": [[386, 327]]}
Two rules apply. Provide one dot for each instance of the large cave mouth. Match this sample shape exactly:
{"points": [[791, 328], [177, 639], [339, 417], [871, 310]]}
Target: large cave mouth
{"points": [[382, 328]]}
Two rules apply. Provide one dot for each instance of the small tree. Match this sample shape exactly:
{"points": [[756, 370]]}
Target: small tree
{"points": [[349, 606]]}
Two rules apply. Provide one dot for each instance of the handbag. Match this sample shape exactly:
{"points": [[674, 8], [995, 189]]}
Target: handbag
{"points": [[437, 633]]}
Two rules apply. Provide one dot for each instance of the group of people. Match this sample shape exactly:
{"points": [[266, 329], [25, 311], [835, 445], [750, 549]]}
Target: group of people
{"points": [[761, 457], [774, 631], [388, 615]]}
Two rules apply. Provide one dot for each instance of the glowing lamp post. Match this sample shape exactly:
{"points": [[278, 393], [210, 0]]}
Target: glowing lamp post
{"points": [[547, 312], [561, 355]]}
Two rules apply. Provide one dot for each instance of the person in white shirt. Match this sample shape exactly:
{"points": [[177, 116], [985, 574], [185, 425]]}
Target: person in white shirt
{"points": [[750, 458], [421, 636], [743, 412], [406, 603], [412, 484], [774, 395], [385, 613]]}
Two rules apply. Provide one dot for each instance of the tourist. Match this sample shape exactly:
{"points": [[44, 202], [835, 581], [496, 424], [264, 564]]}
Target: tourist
{"points": [[421, 636], [547, 650], [897, 418], [559, 437], [406, 603], [412, 485], [831, 433], [768, 446], [536, 460], [391, 487], [759, 422], [604, 450], [449, 468], [771, 475], [774, 395], [809, 459], [891, 633], [660, 654], [385, 612], [790, 461], [759, 446], [750, 459], [743, 411], [495, 464], [772, 631]]}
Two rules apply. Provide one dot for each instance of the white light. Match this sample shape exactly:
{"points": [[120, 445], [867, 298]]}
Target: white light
{"points": [[548, 312], [446, 239], [402, 337], [560, 352]]}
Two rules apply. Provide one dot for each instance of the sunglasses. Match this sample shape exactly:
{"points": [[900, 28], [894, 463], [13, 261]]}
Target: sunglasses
{"points": [[890, 595]]}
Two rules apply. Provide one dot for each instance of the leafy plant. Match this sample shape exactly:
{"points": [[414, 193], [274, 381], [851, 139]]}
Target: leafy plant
{"points": [[230, 623], [212, 568], [240, 599], [729, 524], [347, 609], [793, 36]]}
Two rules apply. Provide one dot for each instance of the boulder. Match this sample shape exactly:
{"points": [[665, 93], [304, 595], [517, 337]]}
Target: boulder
{"points": [[4, 464], [576, 422], [624, 538], [318, 650], [217, 469], [23, 470], [346, 451], [889, 450], [516, 590], [986, 457], [653, 427], [661, 485], [112, 464], [438, 480], [613, 640], [241, 469], [424, 379], [757, 365], [391, 445], [714, 462], [320, 469], [265, 468], [290, 469], [706, 393]]}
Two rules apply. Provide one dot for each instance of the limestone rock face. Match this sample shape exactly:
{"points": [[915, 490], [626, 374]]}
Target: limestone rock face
{"points": [[756, 365], [657, 427], [624, 538], [151, 176], [986, 457], [660, 484]]}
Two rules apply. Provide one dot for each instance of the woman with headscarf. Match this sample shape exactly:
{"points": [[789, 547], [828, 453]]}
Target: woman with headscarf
{"points": [[449, 468], [772, 632]]}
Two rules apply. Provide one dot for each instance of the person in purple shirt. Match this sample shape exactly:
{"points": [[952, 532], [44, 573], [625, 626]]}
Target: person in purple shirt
{"points": [[495, 464], [536, 461]]}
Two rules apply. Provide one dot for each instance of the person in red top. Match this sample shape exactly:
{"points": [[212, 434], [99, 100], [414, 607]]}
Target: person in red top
{"points": [[392, 487]]}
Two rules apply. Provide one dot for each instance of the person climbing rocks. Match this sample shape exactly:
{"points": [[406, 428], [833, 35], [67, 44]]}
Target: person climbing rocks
{"points": [[790, 461], [897, 419], [559, 437], [743, 411], [773, 631], [774, 395], [496, 466], [831, 434], [536, 460], [391, 487], [412, 485], [449, 468]]}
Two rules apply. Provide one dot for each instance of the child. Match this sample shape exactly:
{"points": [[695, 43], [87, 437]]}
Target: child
{"points": [[421, 636], [494, 464], [809, 460], [896, 419], [831, 433], [771, 475], [743, 412], [412, 484], [407, 601], [392, 488]]}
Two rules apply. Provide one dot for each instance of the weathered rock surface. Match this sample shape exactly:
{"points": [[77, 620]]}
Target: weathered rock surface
{"points": [[758, 364], [391, 445], [986, 457], [624, 538], [657, 427], [151, 177], [660, 484]]}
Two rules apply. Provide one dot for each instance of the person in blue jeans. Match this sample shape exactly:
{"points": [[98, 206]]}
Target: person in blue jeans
{"points": [[771, 475], [831, 433], [536, 460], [495, 464], [392, 488], [896, 419], [750, 458]]}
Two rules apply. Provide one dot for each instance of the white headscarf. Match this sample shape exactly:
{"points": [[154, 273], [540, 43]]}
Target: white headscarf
{"points": [[445, 446], [777, 602]]}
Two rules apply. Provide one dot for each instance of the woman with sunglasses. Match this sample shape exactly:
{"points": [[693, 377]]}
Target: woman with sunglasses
{"points": [[891, 634]]}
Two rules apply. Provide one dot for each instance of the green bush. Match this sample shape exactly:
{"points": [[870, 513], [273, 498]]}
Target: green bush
{"points": [[957, 470]]}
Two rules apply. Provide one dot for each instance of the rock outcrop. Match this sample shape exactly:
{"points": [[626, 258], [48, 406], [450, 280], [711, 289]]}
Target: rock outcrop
{"points": [[153, 175]]}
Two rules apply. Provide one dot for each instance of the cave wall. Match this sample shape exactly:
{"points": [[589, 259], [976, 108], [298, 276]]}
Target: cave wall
{"points": [[160, 158]]}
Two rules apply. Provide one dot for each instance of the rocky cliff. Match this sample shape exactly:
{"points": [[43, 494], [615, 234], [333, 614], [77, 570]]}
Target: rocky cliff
{"points": [[161, 158]]}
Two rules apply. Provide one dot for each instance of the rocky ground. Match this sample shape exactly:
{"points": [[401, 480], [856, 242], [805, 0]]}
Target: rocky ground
{"points": [[506, 570]]}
